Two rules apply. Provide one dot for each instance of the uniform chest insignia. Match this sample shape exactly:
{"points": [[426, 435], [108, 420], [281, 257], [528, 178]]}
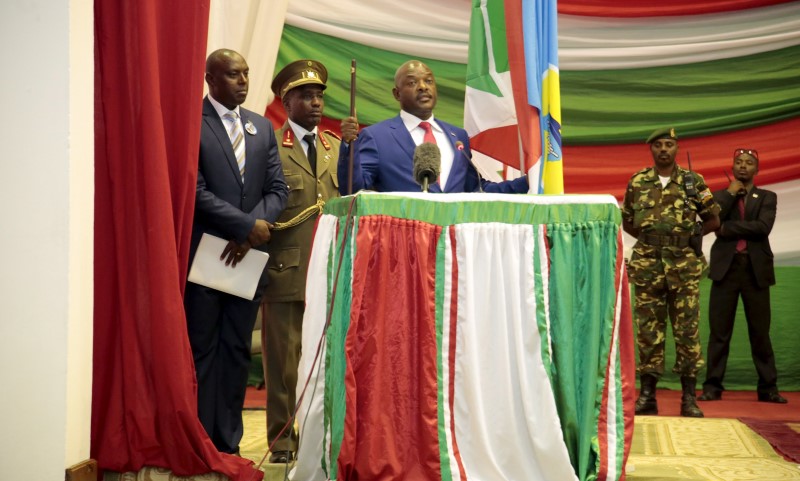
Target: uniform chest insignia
{"points": [[288, 138], [250, 128]]}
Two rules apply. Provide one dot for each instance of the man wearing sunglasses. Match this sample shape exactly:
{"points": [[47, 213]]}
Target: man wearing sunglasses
{"points": [[661, 207], [742, 265]]}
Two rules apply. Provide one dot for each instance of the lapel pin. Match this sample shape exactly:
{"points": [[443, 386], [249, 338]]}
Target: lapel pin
{"points": [[755, 196], [250, 128]]}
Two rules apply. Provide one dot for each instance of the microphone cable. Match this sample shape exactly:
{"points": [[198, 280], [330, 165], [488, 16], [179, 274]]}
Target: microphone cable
{"points": [[460, 148]]}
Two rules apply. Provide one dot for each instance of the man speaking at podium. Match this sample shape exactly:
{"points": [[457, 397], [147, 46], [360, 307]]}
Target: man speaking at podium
{"points": [[384, 152]]}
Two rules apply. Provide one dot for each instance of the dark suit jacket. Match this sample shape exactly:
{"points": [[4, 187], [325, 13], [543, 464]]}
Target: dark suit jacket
{"points": [[383, 161], [224, 206], [760, 209]]}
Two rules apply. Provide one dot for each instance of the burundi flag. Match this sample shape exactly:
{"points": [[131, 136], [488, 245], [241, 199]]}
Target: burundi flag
{"points": [[500, 349], [512, 107]]}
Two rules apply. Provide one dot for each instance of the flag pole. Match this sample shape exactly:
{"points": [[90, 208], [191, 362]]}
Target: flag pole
{"points": [[352, 114]]}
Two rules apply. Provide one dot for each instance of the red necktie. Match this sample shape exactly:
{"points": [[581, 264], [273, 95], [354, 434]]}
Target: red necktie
{"points": [[428, 138], [741, 244]]}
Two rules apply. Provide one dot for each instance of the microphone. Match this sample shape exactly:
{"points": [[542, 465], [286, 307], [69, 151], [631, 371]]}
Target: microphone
{"points": [[427, 164], [460, 147]]}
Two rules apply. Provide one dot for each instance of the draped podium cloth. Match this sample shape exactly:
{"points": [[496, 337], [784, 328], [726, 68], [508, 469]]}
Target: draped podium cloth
{"points": [[472, 336]]}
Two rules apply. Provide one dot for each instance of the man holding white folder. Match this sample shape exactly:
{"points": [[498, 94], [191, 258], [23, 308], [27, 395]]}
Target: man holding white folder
{"points": [[240, 192]]}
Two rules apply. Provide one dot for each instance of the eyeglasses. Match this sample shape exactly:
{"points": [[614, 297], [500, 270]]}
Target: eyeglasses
{"points": [[750, 152]]}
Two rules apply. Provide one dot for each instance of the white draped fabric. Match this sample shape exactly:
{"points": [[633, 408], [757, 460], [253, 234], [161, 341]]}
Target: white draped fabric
{"points": [[585, 43], [253, 28]]}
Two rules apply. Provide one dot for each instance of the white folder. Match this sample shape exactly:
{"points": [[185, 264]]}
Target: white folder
{"points": [[208, 270]]}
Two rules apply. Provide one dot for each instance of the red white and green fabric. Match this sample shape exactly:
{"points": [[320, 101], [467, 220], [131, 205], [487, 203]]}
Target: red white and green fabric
{"points": [[471, 337], [728, 71], [725, 74]]}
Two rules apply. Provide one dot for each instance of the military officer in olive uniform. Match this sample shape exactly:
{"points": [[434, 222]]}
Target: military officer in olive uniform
{"points": [[309, 167], [661, 208]]}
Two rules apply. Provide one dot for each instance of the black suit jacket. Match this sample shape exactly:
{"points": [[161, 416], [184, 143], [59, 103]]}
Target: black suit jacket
{"points": [[760, 208], [225, 206]]}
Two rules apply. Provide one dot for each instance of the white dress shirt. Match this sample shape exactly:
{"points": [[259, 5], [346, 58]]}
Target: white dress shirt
{"points": [[445, 147]]}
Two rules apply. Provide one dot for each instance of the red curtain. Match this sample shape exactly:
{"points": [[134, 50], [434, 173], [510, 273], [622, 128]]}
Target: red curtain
{"points": [[149, 64], [655, 8]]}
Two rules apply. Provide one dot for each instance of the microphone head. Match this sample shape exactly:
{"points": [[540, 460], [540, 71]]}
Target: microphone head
{"points": [[427, 162]]}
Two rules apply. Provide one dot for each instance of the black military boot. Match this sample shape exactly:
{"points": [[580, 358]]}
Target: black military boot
{"points": [[689, 407], [646, 404]]}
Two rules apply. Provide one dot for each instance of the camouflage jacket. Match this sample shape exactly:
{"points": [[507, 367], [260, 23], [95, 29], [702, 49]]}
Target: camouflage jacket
{"points": [[665, 211], [669, 210]]}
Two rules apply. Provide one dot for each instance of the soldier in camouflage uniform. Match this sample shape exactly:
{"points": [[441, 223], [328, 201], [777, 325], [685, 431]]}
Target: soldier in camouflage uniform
{"points": [[661, 209]]}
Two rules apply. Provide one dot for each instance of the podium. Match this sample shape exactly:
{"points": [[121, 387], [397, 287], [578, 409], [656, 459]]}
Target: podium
{"points": [[466, 336]]}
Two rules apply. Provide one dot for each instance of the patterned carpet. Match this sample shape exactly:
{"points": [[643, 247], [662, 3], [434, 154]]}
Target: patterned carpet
{"points": [[254, 444], [784, 436], [673, 448]]}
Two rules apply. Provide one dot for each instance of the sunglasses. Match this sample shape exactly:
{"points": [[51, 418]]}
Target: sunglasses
{"points": [[750, 152]]}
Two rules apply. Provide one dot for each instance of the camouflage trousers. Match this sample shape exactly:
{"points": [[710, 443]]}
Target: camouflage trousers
{"points": [[667, 286]]}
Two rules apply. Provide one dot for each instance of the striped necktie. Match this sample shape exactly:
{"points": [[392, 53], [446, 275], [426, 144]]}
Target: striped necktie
{"points": [[237, 140]]}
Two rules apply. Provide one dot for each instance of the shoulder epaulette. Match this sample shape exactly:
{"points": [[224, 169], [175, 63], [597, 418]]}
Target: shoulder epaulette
{"points": [[332, 134], [325, 142]]}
